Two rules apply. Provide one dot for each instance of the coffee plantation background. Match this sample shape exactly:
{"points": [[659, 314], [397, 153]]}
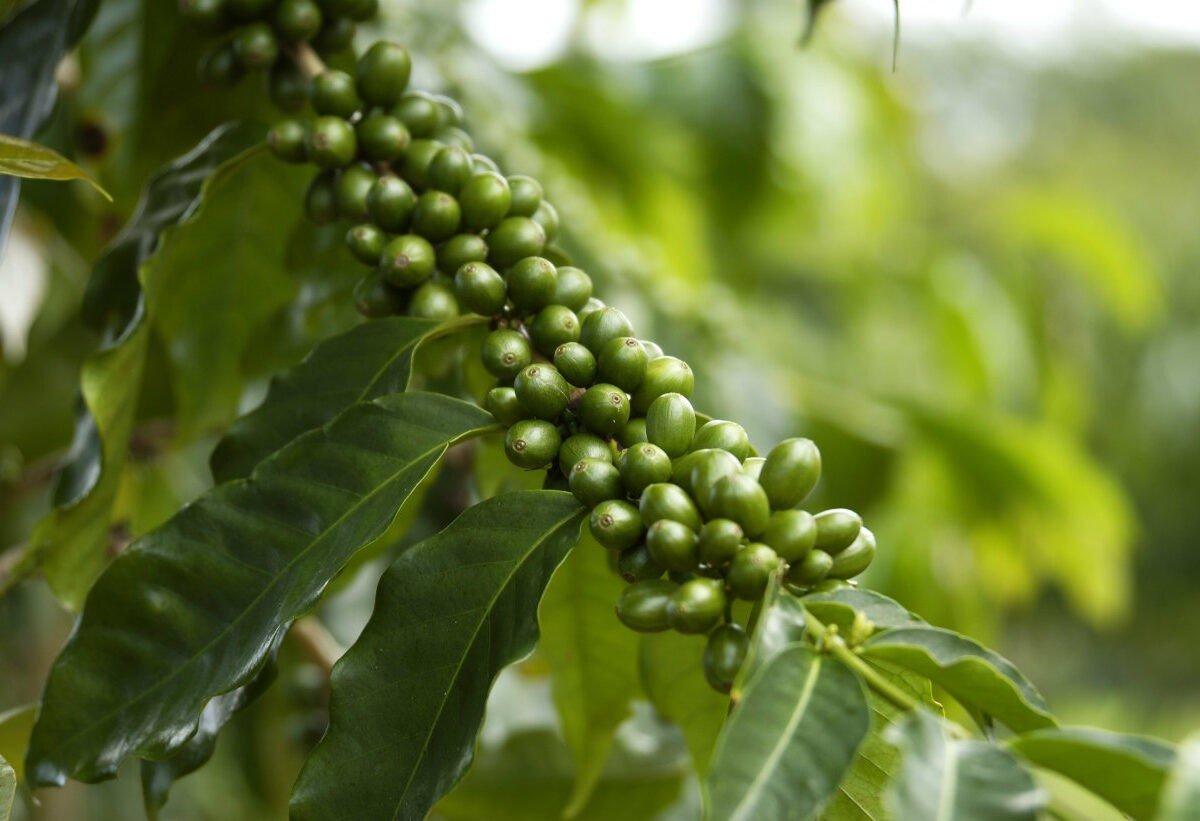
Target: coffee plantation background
{"points": [[971, 280]]}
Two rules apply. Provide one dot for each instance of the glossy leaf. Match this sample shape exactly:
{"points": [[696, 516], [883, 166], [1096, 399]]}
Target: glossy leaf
{"points": [[944, 779], [780, 624], [1181, 796], [370, 360], [671, 667], [1127, 771], [839, 606], [790, 741], [192, 609], [8, 789], [23, 158], [972, 674], [408, 697], [592, 659]]}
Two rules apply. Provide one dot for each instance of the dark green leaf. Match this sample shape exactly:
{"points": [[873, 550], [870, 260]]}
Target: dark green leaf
{"points": [[22, 158], [1181, 797], [370, 360], [780, 624], [972, 674], [193, 608], [945, 779], [672, 672], [408, 698], [1127, 771], [592, 658], [790, 741], [839, 606]]}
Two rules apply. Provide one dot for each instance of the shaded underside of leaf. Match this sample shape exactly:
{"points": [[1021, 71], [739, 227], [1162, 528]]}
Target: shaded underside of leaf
{"points": [[193, 608], [408, 698], [671, 667]]}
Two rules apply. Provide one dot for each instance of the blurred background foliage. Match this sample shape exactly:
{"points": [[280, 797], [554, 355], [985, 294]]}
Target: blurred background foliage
{"points": [[970, 280]]}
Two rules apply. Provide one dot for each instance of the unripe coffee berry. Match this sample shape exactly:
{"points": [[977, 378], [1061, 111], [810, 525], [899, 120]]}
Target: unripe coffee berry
{"points": [[710, 466], [331, 143], [419, 113], [547, 217], [433, 300], [643, 605], [407, 261], [485, 199], [333, 93], [653, 349], [664, 500], [728, 436], [336, 35], [603, 409], [460, 249], [286, 140], [616, 524], [673, 545], [298, 20], [791, 534], [450, 169], [531, 284], [502, 403], [856, 558], [506, 353], [220, 67], [697, 606], [209, 15], [720, 540], [320, 200], [750, 569], [382, 73], [632, 432], [723, 656], [752, 467], [573, 289], [837, 529], [526, 195], [666, 374], [256, 46], [602, 326], [671, 423], [353, 187], [542, 391], [480, 288], [622, 361], [532, 443], [579, 447], [740, 498], [436, 216], [553, 327], [375, 299], [514, 239], [382, 138], [644, 465], [594, 481], [635, 565], [287, 87], [366, 242], [576, 363], [391, 203], [810, 570], [417, 160], [791, 472]]}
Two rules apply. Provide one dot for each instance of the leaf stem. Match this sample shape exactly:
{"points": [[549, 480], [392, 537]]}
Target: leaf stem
{"points": [[316, 642], [307, 60], [833, 643]]}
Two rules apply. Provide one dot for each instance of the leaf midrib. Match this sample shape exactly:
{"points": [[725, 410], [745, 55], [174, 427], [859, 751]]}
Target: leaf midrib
{"points": [[949, 795]]}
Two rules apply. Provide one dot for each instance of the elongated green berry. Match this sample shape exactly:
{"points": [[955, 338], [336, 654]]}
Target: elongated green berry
{"points": [[622, 361], [506, 353], [616, 524], [336, 35], [450, 169], [740, 498], [856, 558], [723, 656], [836, 529], [664, 500], [418, 111], [353, 187], [719, 541], [547, 217], [553, 327], [220, 67], [632, 432], [417, 161], [375, 299], [710, 466], [643, 605], [603, 409], [502, 403], [286, 140], [644, 465], [514, 239], [750, 569], [653, 349], [460, 249], [791, 472], [542, 391], [407, 261], [573, 289], [333, 93], [752, 467], [697, 606], [366, 242], [602, 326], [382, 138], [582, 446], [391, 203], [635, 565], [485, 200], [719, 433], [331, 143], [433, 300], [671, 423], [673, 545], [532, 443], [382, 73], [256, 46], [810, 570], [791, 534], [209, 15], [320, 200], [480, 288], [590, 307], [666, 374], [437, 216], [681, 470], [576, 363], [531, 284], [594, 481], [526, 195]]}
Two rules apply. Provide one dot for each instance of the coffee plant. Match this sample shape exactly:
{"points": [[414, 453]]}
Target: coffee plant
{"points": [[799, 693]]}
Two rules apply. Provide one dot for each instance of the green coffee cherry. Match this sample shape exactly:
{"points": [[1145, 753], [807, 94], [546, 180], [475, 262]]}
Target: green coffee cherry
{"points": [[740, 498], [664, 500], [532, 443], [576, 363], [635, 565], [287, 87], [514, 239], [298, 21], [391, 203], [616, 524], [622, 361], [360, 10], [286, 140], [673, 545], [485, 199], [450, 113], [671, 423], [450, 169], [643, 605], [433, 300], [502, 403], [506, 353], [653, 349], [437, 216], [719, 541], [553, 327], [573, 289], [331, 143], [709, 467], [255, 46], [210, 15], [856, 558], [407, 261], [728, 436], [382, 138], [603, 409], [579, 447], [810, 570], [336, 35], [791, 534], [353, 186], [333, 93], [542, 391], [594, 481], [485, 165], [697, 606], [366, 242], [752, 467], [837, 529], [666, 374], [375, 299], [526, 195], [417, 161], [220, 67], [480, 288], [320, 200], [644, 465], [590, 307], [602, 326], [547, 217], [450, 135], [791, 472], [723, 656], [531, 284], [382, 73], [419, 113], [632, 432], [750, 569]]}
